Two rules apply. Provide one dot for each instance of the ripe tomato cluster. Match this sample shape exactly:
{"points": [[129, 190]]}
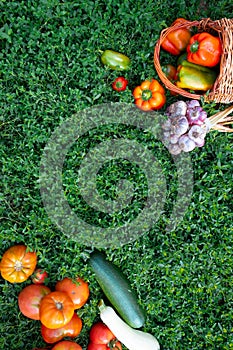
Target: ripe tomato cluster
{"points": [[55, 309], [101, 338]]}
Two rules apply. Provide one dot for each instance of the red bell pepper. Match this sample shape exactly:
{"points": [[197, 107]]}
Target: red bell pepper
{"points": [[204, 49], [177, 40]]}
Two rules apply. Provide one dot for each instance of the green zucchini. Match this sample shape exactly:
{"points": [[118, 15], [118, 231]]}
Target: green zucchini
{"points": [[117, 289]]}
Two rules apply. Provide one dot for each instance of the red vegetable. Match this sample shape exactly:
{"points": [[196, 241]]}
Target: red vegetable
{"points": [[39, 276], [177, 40], [120, 84], [66, 345], [204, 49], [113, 346], [100, 333], [101, 338], [29, 300], [170, 71], [77, 289], [71, 329]]}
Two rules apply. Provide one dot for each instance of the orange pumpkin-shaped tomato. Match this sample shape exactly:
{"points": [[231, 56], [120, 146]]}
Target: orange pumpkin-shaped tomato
{"points": [[77, 289], [56, 310], [18, 264]]}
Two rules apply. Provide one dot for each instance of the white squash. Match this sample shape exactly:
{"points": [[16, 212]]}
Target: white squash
{"points": [[133, 339]]}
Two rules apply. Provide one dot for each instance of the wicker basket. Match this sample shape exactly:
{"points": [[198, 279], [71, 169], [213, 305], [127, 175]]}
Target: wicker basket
{"points": [[222, 91]]}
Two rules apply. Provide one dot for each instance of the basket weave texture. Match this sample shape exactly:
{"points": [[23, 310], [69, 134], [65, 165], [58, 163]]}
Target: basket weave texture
{"points": [[222, 91]]}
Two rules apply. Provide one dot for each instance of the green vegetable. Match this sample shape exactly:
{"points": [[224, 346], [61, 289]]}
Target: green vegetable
{"points": [[115, 60], [133, 339], [181, 58], [117, 289], [195, 77]]}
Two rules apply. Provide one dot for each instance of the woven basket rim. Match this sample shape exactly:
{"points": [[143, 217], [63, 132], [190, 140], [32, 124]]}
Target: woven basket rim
{"points": [[205, 24]]}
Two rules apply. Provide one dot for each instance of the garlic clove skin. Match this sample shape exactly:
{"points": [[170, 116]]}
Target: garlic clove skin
{"points": [[196, 116], [186, 144], [166, 125], [174, 149], [174, 138], [192, 104], [179, 125], [197, 134], [200, 143], [177, 108]]}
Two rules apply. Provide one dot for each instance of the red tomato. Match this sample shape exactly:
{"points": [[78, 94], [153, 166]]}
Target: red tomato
{"points": [[114, 345], [78, 290], [100, 334], [71, 329], [66, 345], [94, 346], [30, 298], [120, 84], [39, 276]]}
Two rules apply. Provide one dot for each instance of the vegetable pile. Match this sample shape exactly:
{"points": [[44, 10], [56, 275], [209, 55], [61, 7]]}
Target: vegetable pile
{"points": [[194, 67], [187, 124], [54, 309], [185, 128], [57, 310]]}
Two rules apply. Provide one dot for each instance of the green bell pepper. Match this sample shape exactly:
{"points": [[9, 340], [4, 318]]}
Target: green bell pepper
{"points": [[115, 60], [195, 77]]}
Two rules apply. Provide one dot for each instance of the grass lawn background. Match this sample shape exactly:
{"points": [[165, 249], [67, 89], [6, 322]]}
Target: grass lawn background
{"points": [[50, 69]]}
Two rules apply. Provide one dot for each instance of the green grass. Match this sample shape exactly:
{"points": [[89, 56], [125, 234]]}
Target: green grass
{"points": [[50, 69]]}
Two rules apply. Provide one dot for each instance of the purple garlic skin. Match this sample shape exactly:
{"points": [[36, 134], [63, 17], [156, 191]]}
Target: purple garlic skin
{"points": [[177, 108], [196, 115], [186, 126], [193, 104], [197, 134]]}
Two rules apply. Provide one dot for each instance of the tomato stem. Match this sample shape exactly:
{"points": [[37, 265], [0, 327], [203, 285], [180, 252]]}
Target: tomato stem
{"points": [[18, 265], [59, 306]]}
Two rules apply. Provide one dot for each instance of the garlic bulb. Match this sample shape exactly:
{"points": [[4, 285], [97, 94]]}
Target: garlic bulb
{"points": [[179, 125], [186, 144], [186, 126], [177, 108], [197, 134]]}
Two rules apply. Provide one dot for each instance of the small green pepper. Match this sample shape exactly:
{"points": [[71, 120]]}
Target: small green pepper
{"points": [[195, 77], [115, 60]]}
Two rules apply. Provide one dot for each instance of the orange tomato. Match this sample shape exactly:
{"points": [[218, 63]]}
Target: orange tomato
{"points": [[78, 290], [150, 95], [17, 264], [56, 310]]}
